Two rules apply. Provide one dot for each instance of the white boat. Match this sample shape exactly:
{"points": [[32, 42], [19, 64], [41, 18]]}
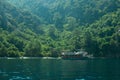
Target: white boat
{"points": [[74, 55]]}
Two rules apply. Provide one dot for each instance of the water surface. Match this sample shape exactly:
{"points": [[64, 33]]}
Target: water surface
{"points": [[58, 69]]}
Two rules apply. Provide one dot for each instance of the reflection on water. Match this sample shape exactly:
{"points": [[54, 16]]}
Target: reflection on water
{"points": [[57, 69]]}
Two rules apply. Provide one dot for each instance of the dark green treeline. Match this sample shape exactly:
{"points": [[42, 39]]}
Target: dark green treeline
{"points": [[36, 28]]}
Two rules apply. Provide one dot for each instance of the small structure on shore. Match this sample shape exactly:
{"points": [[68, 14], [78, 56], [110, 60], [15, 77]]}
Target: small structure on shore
{"points": [[74, 55]]}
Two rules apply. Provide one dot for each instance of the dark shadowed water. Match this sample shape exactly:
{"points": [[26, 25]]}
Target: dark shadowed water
{"points": [[58, 69]]}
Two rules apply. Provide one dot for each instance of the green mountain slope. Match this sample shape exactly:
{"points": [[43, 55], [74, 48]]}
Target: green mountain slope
{"points": [[56, 11], [46, 28]]}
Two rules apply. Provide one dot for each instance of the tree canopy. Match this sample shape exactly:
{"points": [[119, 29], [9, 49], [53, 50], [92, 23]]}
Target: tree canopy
{"points": [[47, 27]]}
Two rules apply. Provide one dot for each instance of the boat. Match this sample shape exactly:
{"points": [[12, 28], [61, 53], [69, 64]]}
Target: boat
{"points": [[74, 55]]}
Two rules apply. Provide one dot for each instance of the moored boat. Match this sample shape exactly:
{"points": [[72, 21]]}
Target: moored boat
{"points": [[75, 55]]}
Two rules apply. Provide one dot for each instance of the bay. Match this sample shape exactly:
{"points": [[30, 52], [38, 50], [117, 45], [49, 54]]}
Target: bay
{"points": [[58, 69]]}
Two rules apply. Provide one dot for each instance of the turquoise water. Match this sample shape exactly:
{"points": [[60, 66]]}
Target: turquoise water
{"points": [[58, 69]]}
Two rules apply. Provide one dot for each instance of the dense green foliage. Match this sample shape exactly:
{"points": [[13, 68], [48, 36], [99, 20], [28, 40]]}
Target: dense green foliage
{"points": [[48, 27]]}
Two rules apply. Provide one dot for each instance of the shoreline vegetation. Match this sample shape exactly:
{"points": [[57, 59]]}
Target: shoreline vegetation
{"points": [[41, 28]]}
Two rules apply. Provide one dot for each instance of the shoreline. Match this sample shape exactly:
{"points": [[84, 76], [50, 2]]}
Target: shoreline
{"points": [[30, 58], [93, 58]]}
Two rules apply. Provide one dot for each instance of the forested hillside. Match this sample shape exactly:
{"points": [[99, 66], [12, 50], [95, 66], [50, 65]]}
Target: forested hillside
{"points": [[47, 27]]}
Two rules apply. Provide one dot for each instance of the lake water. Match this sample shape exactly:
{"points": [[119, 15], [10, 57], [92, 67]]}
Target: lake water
{"points": [[58, 69]]}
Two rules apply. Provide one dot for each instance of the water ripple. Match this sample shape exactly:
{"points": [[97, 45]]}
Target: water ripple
{"points": [[20, 78]]}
